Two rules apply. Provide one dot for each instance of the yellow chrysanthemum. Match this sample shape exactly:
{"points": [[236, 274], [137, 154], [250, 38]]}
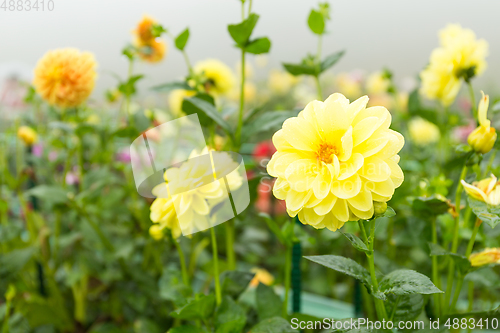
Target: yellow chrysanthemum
{"points": [[217, 78], [334, 160], [423, 132], [190, 210], [153, 51], [485, 257], [486, 190], [176, 98], [143, 31], [27, 135], [281, 82], [461, 55], [65, 77], [377, 83], [484, 136]]}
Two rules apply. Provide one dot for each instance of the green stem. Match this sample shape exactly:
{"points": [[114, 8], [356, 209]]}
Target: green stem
{"points": [[454, 246], [127, 97], [188, 63], [231, 260], [105, 241], [435, 271], [490, 163], [249, 7], [472, 240], [473, 99], [288, 275], [218, 296], [458, 288], [318, 88], [185, 277], [242, 100], [398, 299]]}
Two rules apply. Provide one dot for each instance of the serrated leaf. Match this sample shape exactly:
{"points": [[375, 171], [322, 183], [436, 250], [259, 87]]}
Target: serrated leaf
{"points": [[259, 46], [181, 39], [407, 282], [486, 213], [316, 22], [462, 262], [356, 242], [268, 303], [172, 86], [197, 309], [241, 32], [331, 60]]}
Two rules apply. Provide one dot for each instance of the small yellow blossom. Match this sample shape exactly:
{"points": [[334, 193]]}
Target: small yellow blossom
{"points": [[27, 135], [250, 92], [176, 98], [217, 78], [484, 136], [156, 231], [377, 83], [65, 77], [334, 160], [486, 190], [423, 132], [485, 257], [144, 30], [261, 276], [348, 85], [281, 82]]}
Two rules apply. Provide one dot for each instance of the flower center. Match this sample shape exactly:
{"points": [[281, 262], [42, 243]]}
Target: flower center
{"points": [[326, 151]]}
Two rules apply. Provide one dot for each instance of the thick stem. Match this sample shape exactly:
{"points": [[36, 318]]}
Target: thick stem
{"points": [[218, 296], [458, 287], [435, 271], [231, 260], [288, 276]]}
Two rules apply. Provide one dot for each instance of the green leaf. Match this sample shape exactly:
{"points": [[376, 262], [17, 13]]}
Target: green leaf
{"points": [[356, 242], [199, 105], [145, 325], [241, 32], [273, 325], [428, 207], [346, 266], [187, 329], [268, 303], [128, 88], [199, 308], [230, 317], [13, 262], [172, 288], [259, 46], [316, 22], [301, 69], [181, 40], [234, 282], [172, 86], [407, 282], [462, 262], [486, 213], [266, 122], [389, 212], [331, 60], [408, 307], [53, 194]]}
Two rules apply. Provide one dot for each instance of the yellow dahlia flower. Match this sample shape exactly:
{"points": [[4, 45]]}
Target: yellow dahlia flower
{"points": [[65, 77], [485, 257], [176, 98], [423, 132], [281, 82], [461, 55], [217, 78], [334, 160], [191, 209], [377, 83], [153, 51], [484, 136], [486, 190], [27, 135]]}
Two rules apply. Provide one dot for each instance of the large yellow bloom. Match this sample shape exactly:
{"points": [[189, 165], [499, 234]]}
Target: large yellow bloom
{"points": [[217, 77], [423, 132], [484, 136], [485, 257], [191, 208], [461, 55], [334, 160], [486, 190], [65, 77]]}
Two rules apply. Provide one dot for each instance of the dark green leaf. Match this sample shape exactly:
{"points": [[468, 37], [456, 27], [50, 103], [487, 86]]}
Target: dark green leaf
{"points": [[429, 207], [301, 69], [52, 194], [273, 325], [259, 46], [241, 32], [181, 40], [266, 122], [461, 261], [13, 262], [230, 317], [172, 288], [407, 282], [331, 60], [316, 22], [186, 329], [128, 88], [172, 86], [197, 309], [486, 213], [234, 282], [356, 242], [268, 303], [408, 307], [204, 108]]}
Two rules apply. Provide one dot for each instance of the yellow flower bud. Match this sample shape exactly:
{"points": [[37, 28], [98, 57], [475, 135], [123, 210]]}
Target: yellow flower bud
{"points": [[379, 208], [485, 257], [27, 135], [483, 137], [261, 276], [156, 231]]}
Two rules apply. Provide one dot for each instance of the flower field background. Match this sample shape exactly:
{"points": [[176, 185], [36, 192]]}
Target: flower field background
{"points": [[376, 198]]}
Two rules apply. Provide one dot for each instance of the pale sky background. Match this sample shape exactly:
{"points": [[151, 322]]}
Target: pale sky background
{"points": [[399, 34]]}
